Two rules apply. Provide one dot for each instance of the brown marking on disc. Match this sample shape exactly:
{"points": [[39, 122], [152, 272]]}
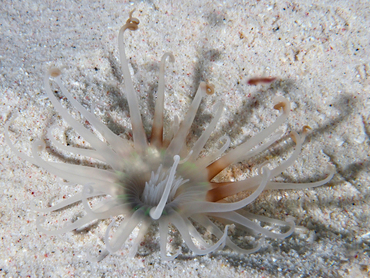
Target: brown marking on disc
{"points": [[218, 192], [216, 167], [157, 136]]}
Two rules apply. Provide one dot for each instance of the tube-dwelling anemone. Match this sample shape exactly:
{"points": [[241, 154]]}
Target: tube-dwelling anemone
{"points": [[160, 180]]}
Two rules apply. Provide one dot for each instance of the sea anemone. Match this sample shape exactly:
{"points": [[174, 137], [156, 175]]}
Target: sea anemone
{"points": [[160, 180]]}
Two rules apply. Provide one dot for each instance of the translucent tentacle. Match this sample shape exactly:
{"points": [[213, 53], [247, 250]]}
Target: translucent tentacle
{"points": [[224, 190], [123, 231], [104, 209], [181, 226], [262, 147], [163, 230], [143, 229], [74, 199], [172, 131], [86, 171], [117, 143], [75, 225], [239, 152], [11, 146], [198, 146], [85, 133], [283, 166], [207, 160], [102, 255], [212, 228], [67, 171], [178, 141], [195, 234], [265, 219], [182, 161], [157, 129], [207, 207], [244, 221], [80, 151], [140, 141], [282, 185]]}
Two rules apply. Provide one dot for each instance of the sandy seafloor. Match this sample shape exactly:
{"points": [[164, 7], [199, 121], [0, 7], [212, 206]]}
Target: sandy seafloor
{"points": [[318, 50]]}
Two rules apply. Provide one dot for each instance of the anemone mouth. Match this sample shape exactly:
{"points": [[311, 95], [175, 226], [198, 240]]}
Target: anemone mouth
{"points": [[155, 188], [158, 186]]}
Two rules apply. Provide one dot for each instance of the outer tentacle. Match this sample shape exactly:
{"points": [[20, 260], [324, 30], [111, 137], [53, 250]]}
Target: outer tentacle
{"points": [[178, 141], [117, 143], [284, 185], [198, 146], [11, 146], [212, 228], [210, 207], [74, 199], [239, 152], [244, 221], [143, 229], [123, 231], [157, 129], [224, 190], [85, 133], [75, 225], [140, 141], [85, 152], [68, 172], [299, 141], [180, 224], [104, 209], [163, 230], [207, 160]]}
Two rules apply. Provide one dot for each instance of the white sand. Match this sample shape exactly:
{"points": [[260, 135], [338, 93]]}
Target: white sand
{"points": [[318, 50]]}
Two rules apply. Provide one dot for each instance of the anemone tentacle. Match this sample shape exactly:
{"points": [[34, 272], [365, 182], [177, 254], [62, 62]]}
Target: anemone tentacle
{"points": [[163, 229], [139, 135], [213, 229], [157, 128]]}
